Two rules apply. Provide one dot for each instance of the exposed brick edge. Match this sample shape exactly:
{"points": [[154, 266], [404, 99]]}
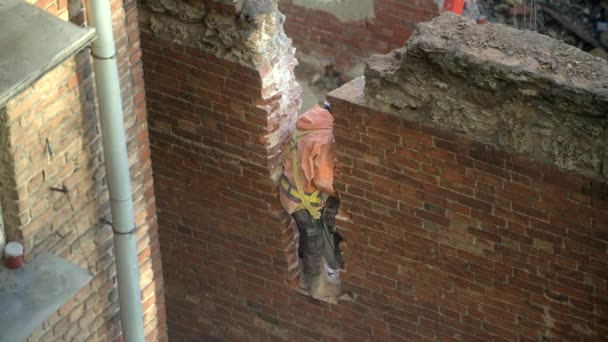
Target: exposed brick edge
{"points": [[153, 294], [213, 120]]}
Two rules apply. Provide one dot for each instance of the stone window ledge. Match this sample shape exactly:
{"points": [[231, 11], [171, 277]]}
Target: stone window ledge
{"points": [[31, 294], [33, 42]]}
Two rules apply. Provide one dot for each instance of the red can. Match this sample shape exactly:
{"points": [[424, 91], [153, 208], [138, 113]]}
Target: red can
{"points": [[13, 255]]}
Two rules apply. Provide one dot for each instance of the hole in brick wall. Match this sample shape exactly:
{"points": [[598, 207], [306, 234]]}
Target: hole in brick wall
{"points": [[330, 278], [314, 245]]}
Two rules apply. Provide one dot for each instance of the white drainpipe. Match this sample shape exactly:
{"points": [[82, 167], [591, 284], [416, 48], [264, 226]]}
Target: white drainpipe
{"points": [[117, 171]]}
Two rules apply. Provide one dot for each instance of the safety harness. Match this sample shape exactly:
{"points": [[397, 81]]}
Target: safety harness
{"points": [[309, 201], [313, 203]]}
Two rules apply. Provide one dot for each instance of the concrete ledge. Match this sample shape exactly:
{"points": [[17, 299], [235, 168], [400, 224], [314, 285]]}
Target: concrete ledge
{"points": [[31, 294], [522, 92], [33, 42]]}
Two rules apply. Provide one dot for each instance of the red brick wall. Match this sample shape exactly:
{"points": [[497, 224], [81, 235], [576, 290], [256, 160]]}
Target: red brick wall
{"points": [[225, 241], [59, 110], [227, 252], [321, 35], [452, 239], [447, 241]]}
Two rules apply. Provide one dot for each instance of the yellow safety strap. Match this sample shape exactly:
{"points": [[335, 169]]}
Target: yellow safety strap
{"points": [[305, 200], [291, 191]]}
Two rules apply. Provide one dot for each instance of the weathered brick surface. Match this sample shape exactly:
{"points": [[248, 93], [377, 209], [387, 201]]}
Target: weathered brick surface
{"points": [[225, 240], [319, 35], [51, 139], [451, 239]]}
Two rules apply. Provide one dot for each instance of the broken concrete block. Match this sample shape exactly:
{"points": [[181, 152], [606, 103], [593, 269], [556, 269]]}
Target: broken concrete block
{"points": [[518, 90]]}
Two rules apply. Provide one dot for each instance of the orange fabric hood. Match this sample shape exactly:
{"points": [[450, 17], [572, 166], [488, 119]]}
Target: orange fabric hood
{"points": [[315, 118]]}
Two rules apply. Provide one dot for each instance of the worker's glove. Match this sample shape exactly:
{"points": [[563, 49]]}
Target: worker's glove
{"points": [[332, 205]]}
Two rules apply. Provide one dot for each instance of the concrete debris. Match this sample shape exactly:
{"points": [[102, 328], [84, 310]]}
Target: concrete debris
{"points": [[250, 37], [573, 26], [518, 90], [576, 22]]}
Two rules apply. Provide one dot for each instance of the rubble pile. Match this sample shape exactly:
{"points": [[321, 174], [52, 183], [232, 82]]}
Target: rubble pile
{"points": [[581, 23]]}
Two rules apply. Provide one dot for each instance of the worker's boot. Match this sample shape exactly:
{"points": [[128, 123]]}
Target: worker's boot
{"points": [[314, 276], [303, 282], [327, 286]]}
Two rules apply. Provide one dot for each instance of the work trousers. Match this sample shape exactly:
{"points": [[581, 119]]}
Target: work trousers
{"points": [[310, 248], [318, 239]]}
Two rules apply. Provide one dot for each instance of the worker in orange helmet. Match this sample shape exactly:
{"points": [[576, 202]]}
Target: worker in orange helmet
{"points": [[307, 193]]}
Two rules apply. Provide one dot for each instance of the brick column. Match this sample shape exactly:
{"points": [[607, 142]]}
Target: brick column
{"points": [[222, 96]]}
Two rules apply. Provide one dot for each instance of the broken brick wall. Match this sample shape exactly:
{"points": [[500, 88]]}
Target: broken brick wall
{"points": [[345, 33], [472, 163], [222, 97], [455, 234], [50, 138]]}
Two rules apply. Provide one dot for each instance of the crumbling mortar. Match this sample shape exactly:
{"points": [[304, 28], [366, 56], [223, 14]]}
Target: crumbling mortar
{"points": [[251, 37]]}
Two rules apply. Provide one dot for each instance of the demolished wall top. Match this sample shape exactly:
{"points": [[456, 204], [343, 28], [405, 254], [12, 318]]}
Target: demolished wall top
{"points": [[248, 32], [521, 91]]}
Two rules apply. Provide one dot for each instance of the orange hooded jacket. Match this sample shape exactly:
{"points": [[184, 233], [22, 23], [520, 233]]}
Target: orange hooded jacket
{"points": [[316, 156]]}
